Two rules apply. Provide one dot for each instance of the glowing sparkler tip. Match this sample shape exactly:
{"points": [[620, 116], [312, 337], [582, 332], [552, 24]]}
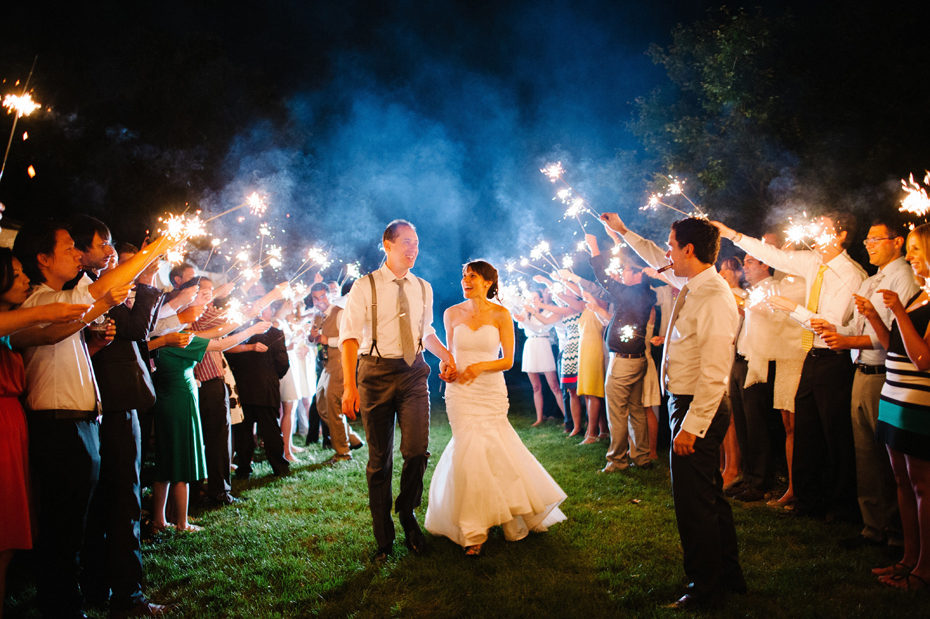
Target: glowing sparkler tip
{"points": [[627, 333], [256, 204], [23, 105], [554, 171]]}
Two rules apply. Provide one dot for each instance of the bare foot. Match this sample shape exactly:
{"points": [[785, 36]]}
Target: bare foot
{"points": [[898, 569], [159, 527], [538, 423], [575, 433], [190, 528], [589, 440], [473, 551], [290, 458], [297, 450]]}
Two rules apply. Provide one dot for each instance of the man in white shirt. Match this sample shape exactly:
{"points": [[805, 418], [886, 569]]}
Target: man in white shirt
{"points": [[823, 466], [62, 404], [875, 483], [699, 354], [388, 317]]}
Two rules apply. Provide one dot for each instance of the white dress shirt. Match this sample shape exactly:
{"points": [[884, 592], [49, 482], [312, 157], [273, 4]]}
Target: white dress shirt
{"points": [[60, 376], [355, 323], [840, 280], [700, 347], [897, 276]]}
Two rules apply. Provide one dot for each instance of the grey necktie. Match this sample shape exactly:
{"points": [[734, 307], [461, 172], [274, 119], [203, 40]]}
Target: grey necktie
{"points": [[406, 334], [679, 302]]}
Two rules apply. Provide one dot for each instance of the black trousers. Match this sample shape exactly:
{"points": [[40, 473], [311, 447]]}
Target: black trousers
{"points": [[267, 419], [65, 459], [705, 520], [752, 411], [391, 391], [824, 464], [217, 437], [112, 559], [317, 427]]}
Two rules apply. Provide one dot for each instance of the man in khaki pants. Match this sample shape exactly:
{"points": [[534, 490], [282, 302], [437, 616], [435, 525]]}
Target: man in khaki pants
{"points": [[329, 387]]}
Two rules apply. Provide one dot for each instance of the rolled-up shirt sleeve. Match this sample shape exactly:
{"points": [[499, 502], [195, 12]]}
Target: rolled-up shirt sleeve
{"points": [[428, 328], [352, 321], [653, 255]]}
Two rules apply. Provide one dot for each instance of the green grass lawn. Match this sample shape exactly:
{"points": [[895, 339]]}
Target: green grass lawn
{"points": [[301, 546]]}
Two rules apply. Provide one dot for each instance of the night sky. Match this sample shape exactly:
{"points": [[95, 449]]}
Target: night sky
{"points": [[355, 113]]}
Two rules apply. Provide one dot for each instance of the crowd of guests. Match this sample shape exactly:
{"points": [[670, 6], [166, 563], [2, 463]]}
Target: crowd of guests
{"points": [[830, 377], [829, 381], [100, 360]]}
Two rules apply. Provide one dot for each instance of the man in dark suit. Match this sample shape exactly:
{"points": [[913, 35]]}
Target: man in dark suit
{"points": [[258, 381], [111, 560]]}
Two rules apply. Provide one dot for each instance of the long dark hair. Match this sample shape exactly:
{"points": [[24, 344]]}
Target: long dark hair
{"points": [[6, 269], [487, 272]]}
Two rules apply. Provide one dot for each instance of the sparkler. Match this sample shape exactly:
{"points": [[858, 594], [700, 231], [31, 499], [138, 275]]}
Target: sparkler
{"points": [[615, 267], [627, 333], [235, 312], [675, 188], [315, 255], [916, 201], [256, 203], [555, 172], [353, 271], [274, 257], [24, 106], [213, 245]]}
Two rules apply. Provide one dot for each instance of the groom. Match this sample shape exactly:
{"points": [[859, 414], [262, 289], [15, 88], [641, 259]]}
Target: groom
{"points": [[388, 317]]}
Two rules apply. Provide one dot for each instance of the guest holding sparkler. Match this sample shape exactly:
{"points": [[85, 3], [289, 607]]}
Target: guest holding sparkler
{"points": [[633, 303], [902, 413], [16, 532], [731, 270], [180, 457], [568, 308], [699, 354], [875, 483], [824, 459], [63, 402], [330, 386], [538, 360]]}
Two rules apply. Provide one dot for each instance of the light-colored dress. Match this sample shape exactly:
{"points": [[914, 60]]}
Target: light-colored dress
{"points": [[486, 477], [537, 351], [591, 355]]}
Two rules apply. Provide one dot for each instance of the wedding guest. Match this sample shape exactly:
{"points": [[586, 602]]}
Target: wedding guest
{"points": [[15, 510], [111, 558], [258, 378], [63, 405], [824, 457], [751, 384], [902, 413], [538, 360], [875, 484], [330, 386], [633, 303], [179, 448], [699, 354], [731, 270]]}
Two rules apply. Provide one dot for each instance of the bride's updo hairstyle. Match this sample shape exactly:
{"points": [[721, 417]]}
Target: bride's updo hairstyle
{"points": [[487, 272]]}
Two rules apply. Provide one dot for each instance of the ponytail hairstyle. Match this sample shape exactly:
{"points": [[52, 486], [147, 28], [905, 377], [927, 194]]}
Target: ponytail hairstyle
{"points": [[487, 272]]}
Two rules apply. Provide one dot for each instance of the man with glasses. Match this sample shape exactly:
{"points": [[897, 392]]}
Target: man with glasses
{"points": [[823, 464], [875, 484]]}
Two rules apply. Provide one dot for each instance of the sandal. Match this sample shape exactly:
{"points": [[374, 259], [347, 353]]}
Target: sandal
{"points": [[904, 581], [473, 551], [156, 529], [190, 528], [898, 569]]}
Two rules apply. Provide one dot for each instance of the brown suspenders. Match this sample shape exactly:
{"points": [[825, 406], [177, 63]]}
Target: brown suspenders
{"points": [[374, 314]]}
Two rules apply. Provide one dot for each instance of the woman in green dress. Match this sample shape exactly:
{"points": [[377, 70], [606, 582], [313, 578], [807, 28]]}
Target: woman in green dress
{"points": [[179, 449]]}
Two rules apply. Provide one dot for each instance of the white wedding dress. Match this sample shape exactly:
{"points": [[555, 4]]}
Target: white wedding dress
{"points": [[486, 476]]}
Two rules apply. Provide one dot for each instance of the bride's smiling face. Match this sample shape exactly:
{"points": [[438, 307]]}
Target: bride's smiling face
{"points": [[474, 286]]}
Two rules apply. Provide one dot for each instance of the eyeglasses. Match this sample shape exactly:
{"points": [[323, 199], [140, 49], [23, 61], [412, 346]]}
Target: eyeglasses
{"points": [[872, 240]]}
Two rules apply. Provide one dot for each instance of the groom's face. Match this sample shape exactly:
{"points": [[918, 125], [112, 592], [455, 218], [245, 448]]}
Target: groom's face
{"points": [[405, 247]]}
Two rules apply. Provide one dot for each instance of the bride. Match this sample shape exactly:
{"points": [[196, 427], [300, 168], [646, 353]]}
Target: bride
{"points": [[486, 477]]}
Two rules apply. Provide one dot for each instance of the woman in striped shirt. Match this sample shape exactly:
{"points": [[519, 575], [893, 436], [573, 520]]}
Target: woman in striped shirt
{"points": [[904, 414]]}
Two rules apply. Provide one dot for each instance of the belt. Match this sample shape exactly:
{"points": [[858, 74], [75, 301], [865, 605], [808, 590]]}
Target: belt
{"points": [[63, 414], [870, 369], [537, 336], [825, 352], [639, 355]]}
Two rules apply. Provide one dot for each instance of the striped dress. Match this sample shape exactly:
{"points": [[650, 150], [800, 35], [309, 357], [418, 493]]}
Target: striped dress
{"points": [[904, 410], [568, 366]]}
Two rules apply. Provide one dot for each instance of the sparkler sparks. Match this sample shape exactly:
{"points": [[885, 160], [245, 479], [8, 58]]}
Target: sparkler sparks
{"points": [[540, 250], [353, 271], [257, 205], [235, 312], [181, 227], [627, 333], [916, 201], [567, 262], [274, 257], [615, 267], [554, 171], [23, 104]]}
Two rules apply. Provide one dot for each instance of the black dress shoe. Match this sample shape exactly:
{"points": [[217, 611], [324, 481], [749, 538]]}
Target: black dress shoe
{"points": [[686, 602], [357, 446], [415, 540], [735, 489], [382, 553]]}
